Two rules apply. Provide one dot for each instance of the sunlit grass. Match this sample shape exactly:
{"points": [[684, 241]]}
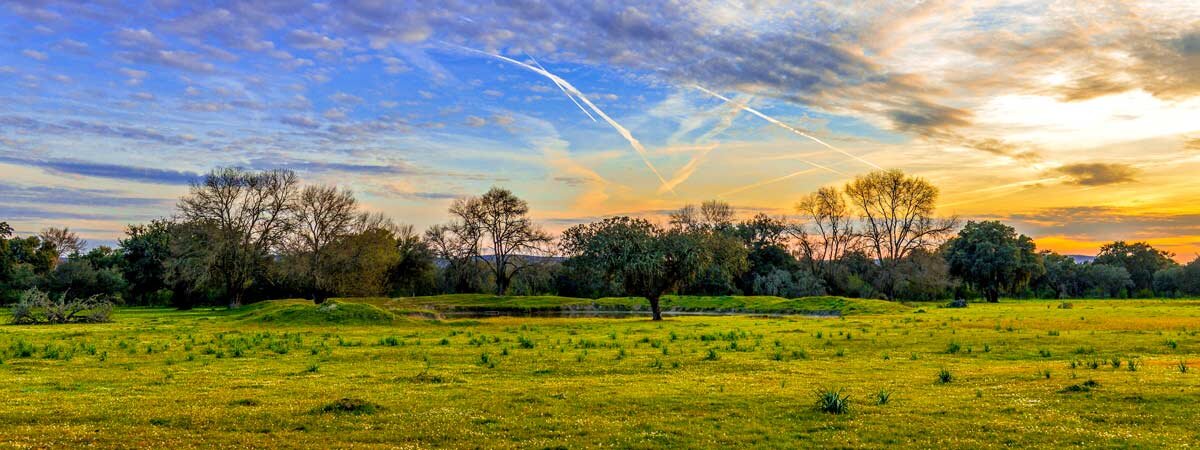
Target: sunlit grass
{"points": [[163, 378]]}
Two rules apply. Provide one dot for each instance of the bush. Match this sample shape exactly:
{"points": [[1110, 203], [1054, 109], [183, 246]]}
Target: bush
{"points": [[36, 307]]}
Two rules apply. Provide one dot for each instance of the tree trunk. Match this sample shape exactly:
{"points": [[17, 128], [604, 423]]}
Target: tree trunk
{"points": [[655, 308], [501, 284], [993, 296]]}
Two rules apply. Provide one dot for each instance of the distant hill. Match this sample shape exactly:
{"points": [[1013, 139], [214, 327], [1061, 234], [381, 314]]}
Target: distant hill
{"points": [[1081, 259]]}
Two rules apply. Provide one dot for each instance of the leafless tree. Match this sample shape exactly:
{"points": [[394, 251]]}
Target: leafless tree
{"points": [[497, 230], [63, 240], [832, 226], [322, 215], [897, 217], [247, 218], [711, 215]]}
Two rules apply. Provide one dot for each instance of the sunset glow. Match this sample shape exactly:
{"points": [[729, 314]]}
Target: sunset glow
{"points": [[1076, 124]]}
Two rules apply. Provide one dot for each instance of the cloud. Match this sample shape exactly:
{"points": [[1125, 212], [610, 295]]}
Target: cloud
{"points": [[73, 46], [104, 170], [34, 54], [1099, 174], [334, 114], [94, 128], [309, 40], [177, 59], [137, 38], [306, 166], [1097, 223], [475, 121], [344, 98], [300, 121], [33, 213], [52, 195], [1192, 144], [134, 76]]}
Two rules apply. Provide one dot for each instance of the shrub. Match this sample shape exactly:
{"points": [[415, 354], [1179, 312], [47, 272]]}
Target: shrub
{"points": [[350, 406], [1183, 366], [36, 307], [833, 402], [953, 347], [944, 376], [525, 342], [1086, 386]]}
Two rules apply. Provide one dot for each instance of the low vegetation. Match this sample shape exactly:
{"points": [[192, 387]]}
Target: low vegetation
{"points": [[158, 377]]}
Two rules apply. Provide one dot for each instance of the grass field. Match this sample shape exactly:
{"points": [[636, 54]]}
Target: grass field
{"points": [[1021, 373]]}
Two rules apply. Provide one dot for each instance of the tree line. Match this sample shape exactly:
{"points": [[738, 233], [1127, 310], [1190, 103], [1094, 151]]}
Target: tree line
{"points": [[240, 236]]}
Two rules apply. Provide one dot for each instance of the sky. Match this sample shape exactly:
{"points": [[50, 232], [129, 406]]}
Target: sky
{"points": [[1078, 123]]}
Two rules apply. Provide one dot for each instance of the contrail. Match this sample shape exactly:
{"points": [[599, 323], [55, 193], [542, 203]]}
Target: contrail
{"points": [[784, 125], [764, 183], [694, 163], [563, 84], [687, 170], [564, 90]]}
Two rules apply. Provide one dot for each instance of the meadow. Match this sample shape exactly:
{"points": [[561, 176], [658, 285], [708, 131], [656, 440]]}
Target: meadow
{"points": [[387, 373]]}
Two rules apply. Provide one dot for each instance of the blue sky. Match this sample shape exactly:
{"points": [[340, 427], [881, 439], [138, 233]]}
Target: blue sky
{"points": [[1018, 110]]}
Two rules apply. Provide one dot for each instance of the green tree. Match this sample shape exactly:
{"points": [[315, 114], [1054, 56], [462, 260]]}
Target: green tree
{"points": [[1139, 259], [711, 225], [1105, 281], [1061, 275], [1189, 282], [1169, 282], [993, 258], [413, 271], [646, 260], [145, 251]]}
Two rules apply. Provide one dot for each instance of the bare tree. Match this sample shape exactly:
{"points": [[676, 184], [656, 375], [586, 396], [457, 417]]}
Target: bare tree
{"points": [[897, 217], [710, 216], [448, 243], [246, 217], [832, 226], [63, 240], [322, 215], [498, 231]]}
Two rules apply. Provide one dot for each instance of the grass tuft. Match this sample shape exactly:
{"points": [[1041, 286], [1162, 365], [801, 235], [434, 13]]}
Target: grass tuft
{"points": [[944, 376], [833, 402]]}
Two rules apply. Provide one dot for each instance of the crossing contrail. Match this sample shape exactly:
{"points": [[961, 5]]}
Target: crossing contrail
{"points": [[564, 90], [784, 125], [571, 90]]}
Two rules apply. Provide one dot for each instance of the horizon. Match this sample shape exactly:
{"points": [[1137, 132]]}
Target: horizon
{"points": [[1077, 127]]}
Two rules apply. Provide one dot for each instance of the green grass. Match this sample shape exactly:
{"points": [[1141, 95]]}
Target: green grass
{"points": [[304, 312], [208, 378], [696, 304]]}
